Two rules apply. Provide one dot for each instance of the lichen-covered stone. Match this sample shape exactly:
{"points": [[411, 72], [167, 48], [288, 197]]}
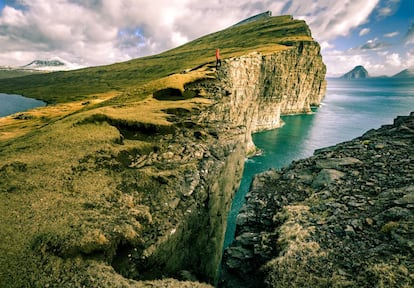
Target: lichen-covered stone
{"points": [[352, 226]]}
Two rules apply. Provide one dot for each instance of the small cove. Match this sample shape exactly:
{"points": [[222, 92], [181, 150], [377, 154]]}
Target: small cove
{"points": [[11, 103], [349, 109]]}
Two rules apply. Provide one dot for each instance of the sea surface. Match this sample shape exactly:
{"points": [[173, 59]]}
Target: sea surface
{"points": [[349, 109], [10, 104]]}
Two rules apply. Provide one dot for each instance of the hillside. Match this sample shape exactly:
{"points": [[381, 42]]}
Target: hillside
{"points": [[406, 73], [266, 35], [130, 176], [8, 72]]}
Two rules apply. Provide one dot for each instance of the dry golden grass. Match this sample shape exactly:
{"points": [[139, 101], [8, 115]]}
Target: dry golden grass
{"points": [[19, 124], [137, 105], [65, 190]]}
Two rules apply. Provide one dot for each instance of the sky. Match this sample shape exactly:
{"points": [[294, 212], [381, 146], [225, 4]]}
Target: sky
{"points": [[378, 34]]}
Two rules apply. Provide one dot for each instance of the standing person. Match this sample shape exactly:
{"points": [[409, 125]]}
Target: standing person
{"points": [[218, 60]]}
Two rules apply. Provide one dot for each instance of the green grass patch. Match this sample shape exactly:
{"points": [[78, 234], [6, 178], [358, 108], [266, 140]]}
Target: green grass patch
{"points": [[271, 34]]}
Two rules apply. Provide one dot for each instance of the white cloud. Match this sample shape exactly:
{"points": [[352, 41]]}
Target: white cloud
{"points": [[98, 32], [325, 45], [329, 19], [392, 34], [409, 37], [338, 63], [393, 59], [385, 11], [364, 31], [410, 59], [387, 8], [376, 62], [13, 17], [373, 44]]}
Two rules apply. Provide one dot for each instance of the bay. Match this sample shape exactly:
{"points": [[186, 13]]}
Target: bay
{"points": [[349, 109], [10, 104]]}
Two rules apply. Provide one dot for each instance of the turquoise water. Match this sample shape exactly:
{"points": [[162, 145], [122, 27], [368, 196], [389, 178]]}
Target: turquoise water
{"points": [[10, 104], [350, 108]]}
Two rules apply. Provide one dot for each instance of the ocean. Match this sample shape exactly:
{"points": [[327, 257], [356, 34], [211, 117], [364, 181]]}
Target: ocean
{"points": [[10, 104], [349, 109]]}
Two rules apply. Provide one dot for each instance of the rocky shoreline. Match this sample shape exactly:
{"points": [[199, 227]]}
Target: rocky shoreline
{"points": [[341, 218]]}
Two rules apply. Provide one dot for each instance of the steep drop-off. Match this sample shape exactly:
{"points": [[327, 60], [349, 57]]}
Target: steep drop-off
{"points": [[341, 218], [135, 190]]}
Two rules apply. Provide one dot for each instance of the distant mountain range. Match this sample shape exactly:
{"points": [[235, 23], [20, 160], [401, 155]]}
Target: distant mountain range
{"points": [[53, 64], [38, 66], [359, 72]]}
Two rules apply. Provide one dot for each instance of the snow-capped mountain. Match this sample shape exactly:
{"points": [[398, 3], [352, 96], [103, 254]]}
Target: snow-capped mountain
{"points": [[53, 64]]}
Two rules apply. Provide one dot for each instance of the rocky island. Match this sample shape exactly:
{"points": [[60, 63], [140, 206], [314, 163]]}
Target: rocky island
{"points": [[125, 179], [358, 72]]}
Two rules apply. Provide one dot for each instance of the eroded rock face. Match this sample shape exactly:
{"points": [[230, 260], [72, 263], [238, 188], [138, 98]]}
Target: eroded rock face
{"points": [[342, 218], [255, 90]]}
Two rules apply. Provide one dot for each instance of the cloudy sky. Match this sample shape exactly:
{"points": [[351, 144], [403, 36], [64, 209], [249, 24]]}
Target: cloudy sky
{"points": [[378, 34]]}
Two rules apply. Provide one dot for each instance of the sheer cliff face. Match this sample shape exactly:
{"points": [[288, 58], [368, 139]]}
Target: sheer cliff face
{"points": [[257, 89]]}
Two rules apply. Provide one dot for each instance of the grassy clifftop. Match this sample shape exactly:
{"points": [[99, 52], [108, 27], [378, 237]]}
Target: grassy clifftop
{"points": [[116, 177], [265, 35]]}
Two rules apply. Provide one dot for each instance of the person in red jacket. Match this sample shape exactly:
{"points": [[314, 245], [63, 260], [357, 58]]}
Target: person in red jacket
{"points": [[218, 60]]}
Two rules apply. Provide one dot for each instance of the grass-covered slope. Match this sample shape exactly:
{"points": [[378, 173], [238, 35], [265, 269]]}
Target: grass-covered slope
{"points": [[87, 179], [59, 87], [12, 73]]}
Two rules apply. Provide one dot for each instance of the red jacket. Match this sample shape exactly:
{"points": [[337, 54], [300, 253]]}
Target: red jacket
{"points": [[217, 53]]}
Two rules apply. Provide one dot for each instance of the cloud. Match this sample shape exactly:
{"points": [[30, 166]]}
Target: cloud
{"points": [[326, 45], [364, 31], [410, 59], [393, 59], [374, 44], [338, 63], [392, 34], [409, 37], [103, 31], [387, 8], [96, 32], [329, 19]]}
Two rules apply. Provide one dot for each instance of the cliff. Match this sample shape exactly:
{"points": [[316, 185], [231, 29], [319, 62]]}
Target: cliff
{"points": [[342, 218], [359, 72], [132, 189]]}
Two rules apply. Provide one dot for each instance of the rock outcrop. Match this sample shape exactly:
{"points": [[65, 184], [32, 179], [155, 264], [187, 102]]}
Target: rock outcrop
{"points": [[141, 203], [359, 72], [257, 89], [342, 218]]}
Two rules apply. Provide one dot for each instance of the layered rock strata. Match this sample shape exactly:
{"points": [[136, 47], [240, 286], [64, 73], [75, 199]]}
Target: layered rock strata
{"points": [[341, 218], [257, 89], [142, 203]]}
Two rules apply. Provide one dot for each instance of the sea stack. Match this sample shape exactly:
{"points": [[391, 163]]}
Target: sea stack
{"points": [[359, 72]]}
